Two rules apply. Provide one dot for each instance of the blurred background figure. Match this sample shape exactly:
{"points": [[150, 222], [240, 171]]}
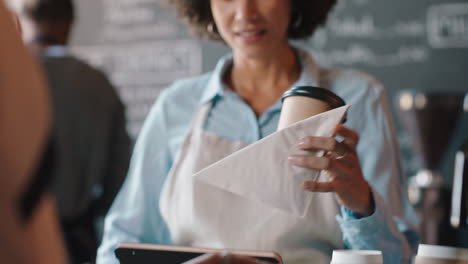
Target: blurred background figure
{"points": [[91, 140], [27, 213]]}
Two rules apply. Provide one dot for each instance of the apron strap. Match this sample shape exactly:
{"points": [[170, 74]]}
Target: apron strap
{"points": [[199, 119]]}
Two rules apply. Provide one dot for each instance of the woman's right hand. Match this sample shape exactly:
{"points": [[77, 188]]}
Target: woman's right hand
{"points": [[223, 258]]}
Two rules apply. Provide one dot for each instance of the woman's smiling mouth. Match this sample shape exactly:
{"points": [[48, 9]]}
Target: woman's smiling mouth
{"points": [[250, 36]]}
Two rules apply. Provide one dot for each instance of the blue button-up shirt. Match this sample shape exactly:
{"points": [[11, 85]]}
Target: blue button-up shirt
{"points": [[135, 215]]}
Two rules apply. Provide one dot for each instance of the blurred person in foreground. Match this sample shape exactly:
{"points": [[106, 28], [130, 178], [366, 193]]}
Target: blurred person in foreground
{"points": [[199, 120], [27, 211], [89, 127]]}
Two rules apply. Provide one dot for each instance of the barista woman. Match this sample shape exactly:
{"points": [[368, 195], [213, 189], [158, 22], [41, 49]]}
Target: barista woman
{"points": [[200, 120]]}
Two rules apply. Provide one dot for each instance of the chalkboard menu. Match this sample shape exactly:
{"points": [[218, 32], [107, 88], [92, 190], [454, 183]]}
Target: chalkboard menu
{"points": [[418, 45], [140, 45]]}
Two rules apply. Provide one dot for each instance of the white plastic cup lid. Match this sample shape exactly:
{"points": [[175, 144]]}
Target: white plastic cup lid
{"points": [[443, 252], [357, 256]]}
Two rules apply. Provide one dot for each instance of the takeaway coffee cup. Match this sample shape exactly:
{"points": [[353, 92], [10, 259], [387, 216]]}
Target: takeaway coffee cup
{"points": [[302, 102], [431, 254], [357, 257]]}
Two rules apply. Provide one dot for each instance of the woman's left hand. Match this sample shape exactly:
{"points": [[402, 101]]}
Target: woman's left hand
{"points": [[341, 163]]}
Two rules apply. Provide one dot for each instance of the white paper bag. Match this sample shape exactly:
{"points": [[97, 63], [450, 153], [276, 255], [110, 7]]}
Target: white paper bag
{"points": [[261, 171]]}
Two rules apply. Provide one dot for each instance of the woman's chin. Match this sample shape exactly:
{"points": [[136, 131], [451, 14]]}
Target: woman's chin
{"points": [[255, 55]]}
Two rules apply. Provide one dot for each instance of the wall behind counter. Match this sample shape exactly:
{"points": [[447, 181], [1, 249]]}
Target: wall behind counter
{"points": [[418, 45]]}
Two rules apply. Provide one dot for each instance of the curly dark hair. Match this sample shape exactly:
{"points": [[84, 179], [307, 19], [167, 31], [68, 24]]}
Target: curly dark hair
{"points": [[306, 17]]}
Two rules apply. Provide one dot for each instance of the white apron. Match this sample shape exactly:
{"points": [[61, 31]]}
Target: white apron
{"points": [[201, 215]]}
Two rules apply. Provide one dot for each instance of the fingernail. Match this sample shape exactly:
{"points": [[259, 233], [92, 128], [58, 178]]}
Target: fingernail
{"points": [[295, 159], [302, 142]]}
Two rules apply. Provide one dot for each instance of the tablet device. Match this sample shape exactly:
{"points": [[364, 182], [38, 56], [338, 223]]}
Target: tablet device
{"points": [[137, 253]]}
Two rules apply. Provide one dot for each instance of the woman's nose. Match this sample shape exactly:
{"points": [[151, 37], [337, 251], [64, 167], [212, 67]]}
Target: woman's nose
{"points": [[247, 10]]}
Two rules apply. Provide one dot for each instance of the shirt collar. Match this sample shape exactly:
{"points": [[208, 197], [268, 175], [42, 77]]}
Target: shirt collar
{"points": [[309, 75], [215, 84]]}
